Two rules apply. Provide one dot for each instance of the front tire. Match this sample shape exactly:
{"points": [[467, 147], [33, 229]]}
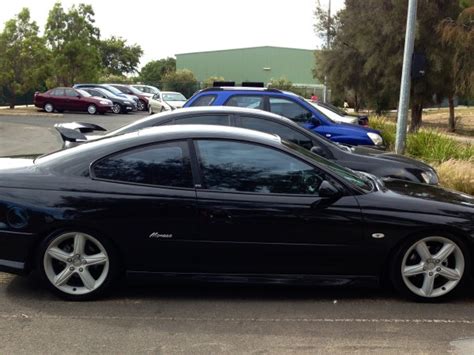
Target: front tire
{"points": [[76, 265], [141, 106], [430, 268], [92, 109], [116, 108]]}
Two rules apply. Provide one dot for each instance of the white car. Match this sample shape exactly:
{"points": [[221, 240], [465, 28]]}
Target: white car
{"points": [[336, 114]]}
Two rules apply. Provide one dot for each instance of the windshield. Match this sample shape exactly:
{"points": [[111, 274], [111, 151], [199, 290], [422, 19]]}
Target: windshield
{"points": [[113, 90], [135, 90], [360, 181], [83, 93], [173, 96]]}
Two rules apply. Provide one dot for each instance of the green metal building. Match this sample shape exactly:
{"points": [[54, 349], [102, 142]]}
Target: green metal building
{"points": [[257, 64]]}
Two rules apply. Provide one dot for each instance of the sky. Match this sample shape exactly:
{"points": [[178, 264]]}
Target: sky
{"points": [[165, 28]]}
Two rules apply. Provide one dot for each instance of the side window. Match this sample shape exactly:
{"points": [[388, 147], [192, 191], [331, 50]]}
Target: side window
{"points": [[71, 93], [205, 100], [249, 101], [165, 164], [285, 132], [290, 109], [245, 167], [222, 120], [58, 92]]}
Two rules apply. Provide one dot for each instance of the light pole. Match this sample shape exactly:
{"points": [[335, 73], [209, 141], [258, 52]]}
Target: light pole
{"points": [[325, 91], [405, 81]]}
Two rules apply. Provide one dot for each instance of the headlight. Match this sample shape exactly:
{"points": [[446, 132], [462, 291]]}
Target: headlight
{"points": [[429, 177], [127, 102], [375, 138], [105, 102]]}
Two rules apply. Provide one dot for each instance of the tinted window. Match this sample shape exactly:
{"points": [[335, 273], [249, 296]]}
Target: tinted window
{"points": [[162, 164], [289, 109], [236, 166], [248, 101], [205, 100], [283, 131], [57, 92], [222, 120]]}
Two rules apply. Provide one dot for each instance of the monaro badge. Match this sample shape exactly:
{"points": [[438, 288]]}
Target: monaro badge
{"points": [[159, 235]]}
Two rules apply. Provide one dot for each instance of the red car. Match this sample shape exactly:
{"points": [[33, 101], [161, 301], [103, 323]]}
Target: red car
{"points": [[143, 97], [69, 99]]}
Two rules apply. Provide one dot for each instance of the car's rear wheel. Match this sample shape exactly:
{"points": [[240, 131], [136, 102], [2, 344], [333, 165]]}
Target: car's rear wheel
{"points": [[92, 109], [48, 107], [77, 265], [141, 105], [430, 268], [116, 108]]}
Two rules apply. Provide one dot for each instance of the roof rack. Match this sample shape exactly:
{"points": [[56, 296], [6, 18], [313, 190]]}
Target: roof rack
{"points": [[249, 88]]}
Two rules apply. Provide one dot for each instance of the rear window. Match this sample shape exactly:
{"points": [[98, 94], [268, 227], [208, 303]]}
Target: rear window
{"points": [[205, 100]]}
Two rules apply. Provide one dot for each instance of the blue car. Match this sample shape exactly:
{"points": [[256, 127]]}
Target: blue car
{"points": [[289, 105]]}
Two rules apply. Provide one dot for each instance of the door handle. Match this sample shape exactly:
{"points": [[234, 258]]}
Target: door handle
{"points": [[219, 216]]}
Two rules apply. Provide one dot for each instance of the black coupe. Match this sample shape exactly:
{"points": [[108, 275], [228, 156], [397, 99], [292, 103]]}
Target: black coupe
{"points": [[230, 204], [357, 158]]}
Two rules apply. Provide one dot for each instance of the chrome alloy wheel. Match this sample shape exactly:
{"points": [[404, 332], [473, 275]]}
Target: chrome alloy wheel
{"points": [[432, 267], [76, 263], [116, 108], [48, 108], [92, 109]]}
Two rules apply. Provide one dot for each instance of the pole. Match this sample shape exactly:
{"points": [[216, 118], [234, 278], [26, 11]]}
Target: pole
{"points": [[405, 81], [325, 91]]}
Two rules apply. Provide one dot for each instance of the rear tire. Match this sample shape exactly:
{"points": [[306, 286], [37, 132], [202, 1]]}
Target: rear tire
{"points": [[77, 266], [430, 268], [48, 107], [116, 108]]}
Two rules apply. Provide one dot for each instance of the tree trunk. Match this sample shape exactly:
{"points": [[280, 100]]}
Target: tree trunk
{"points": [[356, 103], [452, 118], [12, 99], [416, 116]]}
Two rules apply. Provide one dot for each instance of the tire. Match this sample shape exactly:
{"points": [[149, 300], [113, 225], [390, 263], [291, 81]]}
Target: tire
{"points": [[92, 109], [141, 106], [76, 265], [48, 107], [116, 108], [430, 268]]}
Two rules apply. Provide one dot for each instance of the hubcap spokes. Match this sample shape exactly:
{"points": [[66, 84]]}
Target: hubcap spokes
{"points": [[433, 275], [61, 265]]}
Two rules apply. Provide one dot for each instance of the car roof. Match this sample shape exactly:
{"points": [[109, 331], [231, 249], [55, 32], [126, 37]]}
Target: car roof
{"points": [[247, 89]]}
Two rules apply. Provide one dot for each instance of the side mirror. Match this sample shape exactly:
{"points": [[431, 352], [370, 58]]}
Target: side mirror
{"points": [[318, 150], [328, 190]]}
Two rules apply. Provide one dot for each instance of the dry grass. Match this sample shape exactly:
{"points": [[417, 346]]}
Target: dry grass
{"points": [[457, 175]]}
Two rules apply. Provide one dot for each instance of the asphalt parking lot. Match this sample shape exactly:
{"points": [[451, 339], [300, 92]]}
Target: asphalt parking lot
{"points": [[204, 319]]}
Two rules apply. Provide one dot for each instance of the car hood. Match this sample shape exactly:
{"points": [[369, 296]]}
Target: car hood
{"points": [[433, 194], [380, 154], [176, 104]]}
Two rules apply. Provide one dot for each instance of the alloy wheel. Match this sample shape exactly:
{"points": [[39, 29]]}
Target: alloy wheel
{"points": [[48, 107], [432, 267], [116, 108], [140, 105], [92, 109], [76, 263]]}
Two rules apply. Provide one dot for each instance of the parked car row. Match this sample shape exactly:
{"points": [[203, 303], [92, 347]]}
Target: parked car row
{"points": [[204, 193], [101, 98]]}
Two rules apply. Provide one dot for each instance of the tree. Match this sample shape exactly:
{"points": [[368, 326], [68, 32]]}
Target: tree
{"points": [[182, 80], [74, 41], [366, 53], [118, 58], [22, 56], [209, 82], [153, 72], [282, 84]]}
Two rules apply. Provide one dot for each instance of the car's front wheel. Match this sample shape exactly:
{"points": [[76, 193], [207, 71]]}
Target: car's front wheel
{"points": [[48, 107], [141, 105], [430, 268], [116, 108], [92, 109], [77, 265]]}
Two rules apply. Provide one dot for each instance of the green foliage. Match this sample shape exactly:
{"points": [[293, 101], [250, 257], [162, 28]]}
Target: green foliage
{"points": [[118, 79], [118, 58], [23, 55], [153, 72], [365, 59], [281, 83], [182, 81], [74, 41], [209, 82], [428, 145]]}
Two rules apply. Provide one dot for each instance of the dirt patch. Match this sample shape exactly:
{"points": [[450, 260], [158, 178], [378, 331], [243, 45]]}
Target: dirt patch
{"points": [[439, 119]]}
